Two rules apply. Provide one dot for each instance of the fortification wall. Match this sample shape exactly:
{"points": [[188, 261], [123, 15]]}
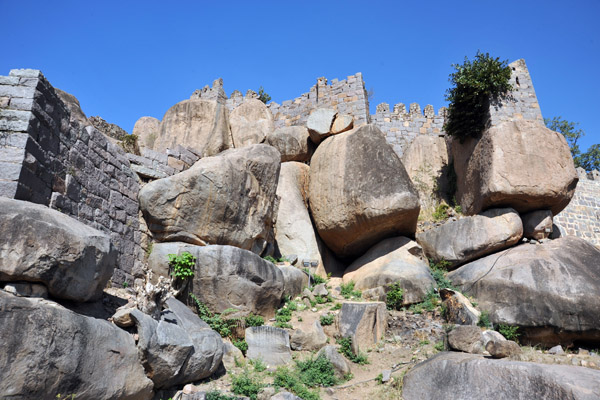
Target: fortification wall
{"points": [[582, 216], [48, 158]]}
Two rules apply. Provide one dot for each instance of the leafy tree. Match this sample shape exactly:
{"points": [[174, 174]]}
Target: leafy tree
{"points": [[263, 96], [474, 83], [591, 158]]}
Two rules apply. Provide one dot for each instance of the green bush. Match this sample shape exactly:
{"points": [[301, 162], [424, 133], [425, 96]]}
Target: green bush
{"points": [[182, 266], [214, 320], [242, 345], [259, 365], [290, 380], [484, 320], [439, 346], [336, 306], [346, 349], [317, 372], [431, 302], [216, 395], [263, 96], [509, 332], [474, 83], [327, 319], [246, 385], [439, 271], [254, 320], [316, 279], [395, 297], [441, 212], [347, 290]]}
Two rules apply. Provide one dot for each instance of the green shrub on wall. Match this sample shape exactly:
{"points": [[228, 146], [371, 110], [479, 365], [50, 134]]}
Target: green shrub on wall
{"points": [[474, 84]]}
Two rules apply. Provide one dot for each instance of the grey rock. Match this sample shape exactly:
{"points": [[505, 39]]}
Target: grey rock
{"points": [[468, 376], [342, 123], [359, 192], [251, 122], [47, 350], [312, 339], [200, 124], [551, 290], [320, 290], [365, 323], [319, 123], [503, 348], [294, 279], [227, 199], [340, 364], [230, 354], [489, 335], [466, 338], [470, 238], [226, 277], [42, 245], [26, 289], [148, 173], [393, 261], [556, 350], [386, 375], [269, 344], [293, 142], [458, 309], [285, 396], [147, 130], [122, 318], [307, 294], [537, 224]]}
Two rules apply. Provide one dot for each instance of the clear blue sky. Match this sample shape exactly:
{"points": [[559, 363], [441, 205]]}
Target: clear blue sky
{"points": [[127, 59]]}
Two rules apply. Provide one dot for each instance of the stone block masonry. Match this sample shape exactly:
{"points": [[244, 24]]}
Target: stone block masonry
{"points": [[582, 216], [48, 158]]}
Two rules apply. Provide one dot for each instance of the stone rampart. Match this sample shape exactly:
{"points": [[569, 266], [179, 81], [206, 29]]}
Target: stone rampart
{"points": [[48, 158]]}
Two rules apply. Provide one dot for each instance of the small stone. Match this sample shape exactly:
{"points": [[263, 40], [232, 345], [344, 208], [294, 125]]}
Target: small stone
{"points": [[320, 290], [386, 375], [583, 352], [556, 350]]}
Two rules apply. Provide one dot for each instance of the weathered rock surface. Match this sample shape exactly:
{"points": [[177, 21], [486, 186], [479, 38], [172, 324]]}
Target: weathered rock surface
{"points": [[552, 290], [285, 396], [468, 376], [228, 199], [470, 238], [359, 192], [364, 323], [393, 261], [294, 279], [43, 245], [340, 364], [269, 344], [251, 122], [200, 124], [230, 354], [342, 123], [26, 289], [537, 224], [147, 130], [458, 309], [319, 123], [294, 232], [502, 348], [426, 160], [73, 106], [519, 164], [311, 339], [227, 277], [49, 350], [466, 338], [293, 142]]}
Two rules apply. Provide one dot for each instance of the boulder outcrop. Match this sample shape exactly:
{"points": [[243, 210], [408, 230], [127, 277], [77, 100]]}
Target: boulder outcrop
{"points": [[200, 124], [146, 129], [519, 164], [393, 260], [251, 122], [43, 245], [359, 192], [468, 376], [49, 350], [293, 142], [364, 323], [319, 124], [550, 290], [228, 199], [472, 237]]}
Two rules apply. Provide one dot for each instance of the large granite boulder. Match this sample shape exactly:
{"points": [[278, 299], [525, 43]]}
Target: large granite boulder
{"points": [[294, 280], [251, 122], [227, 199], [226, 277], [394, 260], [550, 290], [309, 339], [473, 237], [269, 344], [146, 129], [178, 349], [363, 322], [359, 192], [49, 350], [537, 224], [43, 245], [426, 161], [293, 142], [467, 376], [341, 366], [200, 124], [319, 123], [519, 164], [294, 232]]}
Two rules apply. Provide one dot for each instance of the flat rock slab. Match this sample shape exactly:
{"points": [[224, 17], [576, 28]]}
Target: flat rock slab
{"points": [[319, 123], [47, 350], [552, 290], [228, 199], [466, 376], [364, 322], [473, 237], [269, 344], [42, 245], [359, 192], [394, 260]]}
